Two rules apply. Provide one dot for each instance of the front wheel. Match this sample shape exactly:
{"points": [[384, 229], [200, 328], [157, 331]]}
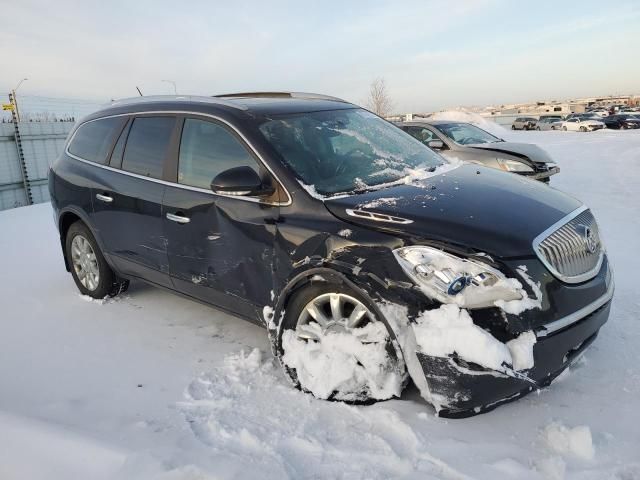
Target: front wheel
{"points": [[89, 269], [583, 129], [513, 127], [335, 347]]}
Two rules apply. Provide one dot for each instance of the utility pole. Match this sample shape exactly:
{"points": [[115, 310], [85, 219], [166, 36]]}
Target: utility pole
{"points": [[14, 99], [20, 152]]}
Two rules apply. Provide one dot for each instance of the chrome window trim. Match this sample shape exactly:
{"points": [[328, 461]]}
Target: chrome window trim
{"points": [[578, 315], [540, 238], [175, 184]]}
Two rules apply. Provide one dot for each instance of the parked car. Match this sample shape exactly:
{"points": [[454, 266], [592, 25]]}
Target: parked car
{"points": [[347, 239], [470, 143], [549, 123], [524, 123], [577, 124], [622, 121]]}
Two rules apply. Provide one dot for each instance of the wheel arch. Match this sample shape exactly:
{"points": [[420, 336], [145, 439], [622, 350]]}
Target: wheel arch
{"points": [[308, 277], [68, 217]]}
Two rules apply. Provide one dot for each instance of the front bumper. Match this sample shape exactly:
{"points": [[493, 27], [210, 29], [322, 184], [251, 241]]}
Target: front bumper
{"points": [[470, 389]]}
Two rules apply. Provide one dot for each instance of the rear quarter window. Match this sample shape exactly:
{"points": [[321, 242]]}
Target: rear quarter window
{"points": [[93, 140]]}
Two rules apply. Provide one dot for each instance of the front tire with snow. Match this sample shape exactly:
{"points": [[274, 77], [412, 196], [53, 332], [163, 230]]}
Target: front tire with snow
{"points": [[335, 347]]}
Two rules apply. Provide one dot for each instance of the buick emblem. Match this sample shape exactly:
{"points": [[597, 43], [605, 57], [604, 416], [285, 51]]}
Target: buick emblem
{"points": [[590, 240]]}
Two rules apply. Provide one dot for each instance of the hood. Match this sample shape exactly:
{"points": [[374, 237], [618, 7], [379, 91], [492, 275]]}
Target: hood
{"points": [[471, 206], [522, 150]]}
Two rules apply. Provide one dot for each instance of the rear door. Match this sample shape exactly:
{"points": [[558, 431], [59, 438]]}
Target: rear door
{"points": [[220, 247], [128, 198]]}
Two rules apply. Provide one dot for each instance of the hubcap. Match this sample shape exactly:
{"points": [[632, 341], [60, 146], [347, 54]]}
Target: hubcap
{"points": [[85, 263], [332, 312]]}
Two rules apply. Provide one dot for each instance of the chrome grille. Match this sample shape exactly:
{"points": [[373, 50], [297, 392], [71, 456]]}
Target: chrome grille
{"points": [[571, 249]]}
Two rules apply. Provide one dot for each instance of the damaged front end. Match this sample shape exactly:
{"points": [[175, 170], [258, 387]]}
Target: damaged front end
{"points": [[482, 348]]}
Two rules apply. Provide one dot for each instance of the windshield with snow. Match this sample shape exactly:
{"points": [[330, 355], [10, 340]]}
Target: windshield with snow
{"points": [[351, 150], [466, 134]]}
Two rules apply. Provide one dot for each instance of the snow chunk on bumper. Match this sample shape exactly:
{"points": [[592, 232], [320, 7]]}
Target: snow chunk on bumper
{"points": [[449, 329]]}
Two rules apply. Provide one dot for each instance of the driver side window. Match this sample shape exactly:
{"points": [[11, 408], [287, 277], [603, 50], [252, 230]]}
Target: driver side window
{"points": [[207, 149], [423, 134]]}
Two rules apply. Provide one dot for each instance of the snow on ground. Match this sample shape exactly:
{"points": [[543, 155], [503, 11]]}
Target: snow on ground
{"points": [[150, 385]]}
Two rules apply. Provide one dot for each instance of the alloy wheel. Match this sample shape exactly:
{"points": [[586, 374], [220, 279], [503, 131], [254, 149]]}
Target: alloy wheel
{"points": [[85, 263], [333, 312]]}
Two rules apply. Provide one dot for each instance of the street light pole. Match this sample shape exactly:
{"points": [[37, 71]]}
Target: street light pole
{"points": [[15, 99], [175, 90]]}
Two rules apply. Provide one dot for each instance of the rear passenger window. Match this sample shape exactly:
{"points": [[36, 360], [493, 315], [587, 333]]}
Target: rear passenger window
{"points": [[147, 145], [207, 149], [94, 139]]}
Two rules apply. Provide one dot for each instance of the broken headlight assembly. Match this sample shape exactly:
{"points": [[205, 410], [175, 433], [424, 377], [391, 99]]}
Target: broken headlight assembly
{"points": [[451, 279]]}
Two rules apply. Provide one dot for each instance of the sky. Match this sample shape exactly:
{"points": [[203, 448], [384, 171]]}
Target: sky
{"points": [[431, 54]]}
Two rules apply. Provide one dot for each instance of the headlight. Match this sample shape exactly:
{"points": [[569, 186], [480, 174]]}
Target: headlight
{"points": [[450, 279], [513, 165]]}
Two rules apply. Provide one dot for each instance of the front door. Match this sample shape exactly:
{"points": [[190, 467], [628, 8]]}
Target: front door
{"points": [[220, 247]]}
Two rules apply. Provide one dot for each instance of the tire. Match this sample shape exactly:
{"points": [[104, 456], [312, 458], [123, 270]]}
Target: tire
{"points": [[513, 127], [89, 269], [538, 128], [369, 382], [564, 129], [583, 129]]}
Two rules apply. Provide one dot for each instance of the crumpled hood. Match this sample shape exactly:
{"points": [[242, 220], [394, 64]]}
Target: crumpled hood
{"points": [[472, 206], [522, 150]]}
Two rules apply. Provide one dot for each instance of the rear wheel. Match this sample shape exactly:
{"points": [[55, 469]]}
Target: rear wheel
{"points": [[89, 269], [334, 347]]}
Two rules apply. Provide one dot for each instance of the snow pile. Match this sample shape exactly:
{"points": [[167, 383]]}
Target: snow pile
{"points": [[353, 365], [449, 329], [574, 441], [521, 350], [473, 118], [252, 424]]}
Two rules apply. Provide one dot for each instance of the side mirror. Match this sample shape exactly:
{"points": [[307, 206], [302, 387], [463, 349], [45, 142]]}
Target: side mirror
{"points": [[435, 144], [241, 181]]}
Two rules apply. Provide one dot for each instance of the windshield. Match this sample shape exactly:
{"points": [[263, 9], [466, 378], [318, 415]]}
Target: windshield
{"points": [[466, 134], [350, 150]]}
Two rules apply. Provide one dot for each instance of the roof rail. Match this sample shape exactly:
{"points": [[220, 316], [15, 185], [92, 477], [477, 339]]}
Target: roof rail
{"points": [[173, 98], [304, 95]]}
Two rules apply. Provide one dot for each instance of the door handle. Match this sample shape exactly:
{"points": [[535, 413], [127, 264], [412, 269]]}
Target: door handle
{"points": [[178, 218], [104, 198]]}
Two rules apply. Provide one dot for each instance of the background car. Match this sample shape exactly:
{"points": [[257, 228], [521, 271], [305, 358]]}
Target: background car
{"points": [[549, 123], [464, 141], [524, 123], [578, 124], [622, 121]]}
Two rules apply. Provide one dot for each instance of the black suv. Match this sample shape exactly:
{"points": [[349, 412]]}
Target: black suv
{"points": [[368, 257]]}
